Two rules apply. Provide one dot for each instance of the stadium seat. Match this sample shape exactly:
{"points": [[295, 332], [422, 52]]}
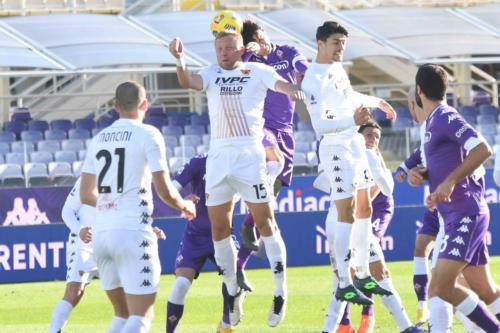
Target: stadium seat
{"points": [[38, 125], [201, 149], [84, 123], [194, 129], [4, 148], [49, 145], [61, 124], [21, 146], [36, 174], [65, 156], [156, 110], [305, 136], [77, 168], [7, 137], [471, 119], [177, 119], [312, 158], [87, 143], [78, 133], [81, 154], [31, 136], [302, 146], [403, 112], [480, 97], [154, 121], [104, 122], [486, 119], [169, 152], [171, 140], [41, 157], [172, 130], [176, 163], [15, 158], [72, 145], [468, 110], [200, 119], [15, 127], [11, 175], [488, 109], [184, 151], [190, 140], [20, 113], [56, 134], [206, 139], [487, 129], [60, 173]]}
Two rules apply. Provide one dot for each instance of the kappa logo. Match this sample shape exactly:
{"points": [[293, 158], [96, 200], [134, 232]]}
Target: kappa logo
{"points": [[463, 229], [144, 243], [337, 168], [142, 190], [458, 240], [146, 283], [179, 258], [146, 270], [455, 252], [143, 203], [452, 117], [338, 179], [336, 158], [340, 190], [145, 256], [466, 220]]}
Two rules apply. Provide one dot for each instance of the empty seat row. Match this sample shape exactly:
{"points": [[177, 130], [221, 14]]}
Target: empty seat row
{"points": [[36, 174], [46, 145], [43, 157]]}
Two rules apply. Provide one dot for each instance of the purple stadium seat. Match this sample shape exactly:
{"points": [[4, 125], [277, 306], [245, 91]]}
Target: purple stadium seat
{"points": [[78, 133], [7, 137], [468, 110], [156, 110], [104, 122], [73, 145], [61, 124], [194, 129], [61, 174], [200, 119], [488, 109], [171, 141], [154, 121], [15, 127], [31, 136], [41, 157], [55, 134], [480, 97], [15, 158], [4, 148], [38, 125], [486, 119], [11, 175], [84, 123], [36, 173], [20, 114], [172, 130], [403, 112], [190, 140], [21, 146], [65, 156], [177, 119], [49, 145], [470, 119]]}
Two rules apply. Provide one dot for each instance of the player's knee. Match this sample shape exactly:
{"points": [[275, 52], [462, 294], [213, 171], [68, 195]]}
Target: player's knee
{"points": [[74, 292], [220, 231]]}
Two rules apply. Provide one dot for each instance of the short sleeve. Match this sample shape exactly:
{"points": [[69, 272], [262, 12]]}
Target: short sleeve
{"points": [[89, 164], [156, 154], [269, 76], [205, 76], [299, 61]]}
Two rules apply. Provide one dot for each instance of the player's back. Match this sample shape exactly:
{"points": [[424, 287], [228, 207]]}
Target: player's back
{"points": [[120, 154]]}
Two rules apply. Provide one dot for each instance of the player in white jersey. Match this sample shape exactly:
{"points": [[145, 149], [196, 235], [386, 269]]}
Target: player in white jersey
{"points": [[336, 111], [122, 161], [236, 158]]}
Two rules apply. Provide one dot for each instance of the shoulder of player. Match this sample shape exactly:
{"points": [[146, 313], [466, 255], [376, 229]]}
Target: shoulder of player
{"points": [[445, 116], [286, 49]]}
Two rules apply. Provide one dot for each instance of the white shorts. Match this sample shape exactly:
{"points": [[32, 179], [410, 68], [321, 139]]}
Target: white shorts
{"points": [[237, 170], [128, 259], [80, 263], [346, 167]]}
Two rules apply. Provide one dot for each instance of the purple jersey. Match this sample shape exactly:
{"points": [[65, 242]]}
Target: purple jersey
{"points": [[278, 107], [446, 135], [194, 173], [383, 210]]}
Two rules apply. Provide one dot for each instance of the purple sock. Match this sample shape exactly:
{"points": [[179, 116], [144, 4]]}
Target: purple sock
{"points": [[249, 220], [243, 256], [421, 284], [346, 317], [174, 315], [368, 309], [225, 306], [482, 318]]}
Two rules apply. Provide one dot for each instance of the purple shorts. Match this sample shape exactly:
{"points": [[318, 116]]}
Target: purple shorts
{"points": [[380, 222], [430, 224], [465, 239], [194, 251], [286, 144]]}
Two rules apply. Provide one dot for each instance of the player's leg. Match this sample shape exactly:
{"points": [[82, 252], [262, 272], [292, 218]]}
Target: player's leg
{"points": [[184, 277], [225, 324], [72, 295], [243, 257], [118, 300], [345, 322], [423, 246], [481, 282]]}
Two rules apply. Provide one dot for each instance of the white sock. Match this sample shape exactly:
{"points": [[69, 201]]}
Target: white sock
{"points": [[179, 290], [441, 315], [394, 305], [468, 304], [422, 304], [420, 266], [60, 316], [335, 309], [495, 306], [136, 324], [117, 324], [341, 246], [330, 222], [469, 326], [360, 243], [276, 254], [225, 256]]}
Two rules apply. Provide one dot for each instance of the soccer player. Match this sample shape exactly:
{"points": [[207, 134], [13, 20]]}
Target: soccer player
{"points": [[195, 248], [278, 141], [453, 151], [336, 112], [236, 159], [122, 161]]}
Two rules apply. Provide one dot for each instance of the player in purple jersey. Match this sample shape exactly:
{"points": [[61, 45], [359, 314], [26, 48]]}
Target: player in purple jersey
{"points": [[454, 154], [196, 246], [278, 141], [383, 210]]}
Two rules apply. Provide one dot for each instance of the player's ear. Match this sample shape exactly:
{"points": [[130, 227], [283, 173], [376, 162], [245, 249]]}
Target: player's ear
{"points": [[144, 105]]}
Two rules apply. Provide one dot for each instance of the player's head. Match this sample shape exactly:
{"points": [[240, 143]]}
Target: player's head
{"points": [[331, 38], [252, 32], [416, 111], [130, 100], [372, 132], [229, 49], [431, 83]]}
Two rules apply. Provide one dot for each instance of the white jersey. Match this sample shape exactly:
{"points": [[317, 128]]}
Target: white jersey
{"points": [[331, 102], [75, 214], [122, 157], [382, 176], [236, 102]]}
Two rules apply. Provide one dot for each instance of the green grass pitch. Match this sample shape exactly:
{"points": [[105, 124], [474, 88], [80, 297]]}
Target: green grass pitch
{"points": [[27, 307]]}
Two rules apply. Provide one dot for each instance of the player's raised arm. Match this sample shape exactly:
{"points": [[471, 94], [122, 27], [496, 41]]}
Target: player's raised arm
{"points": [[289, 89], [186, 80]]}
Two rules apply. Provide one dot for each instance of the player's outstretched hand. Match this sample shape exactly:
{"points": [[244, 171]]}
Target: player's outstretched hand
{"points": [[416, 176], [400, 175], [159, 233], [389, 111], [86, 234], [253, 47], [176, 48], [361, 115], [189, 211]]}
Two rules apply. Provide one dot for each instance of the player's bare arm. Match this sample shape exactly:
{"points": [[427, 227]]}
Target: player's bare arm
{"points": [[88, 189], [361, 115], [186, 80], [289, 89], [169, 194]]}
